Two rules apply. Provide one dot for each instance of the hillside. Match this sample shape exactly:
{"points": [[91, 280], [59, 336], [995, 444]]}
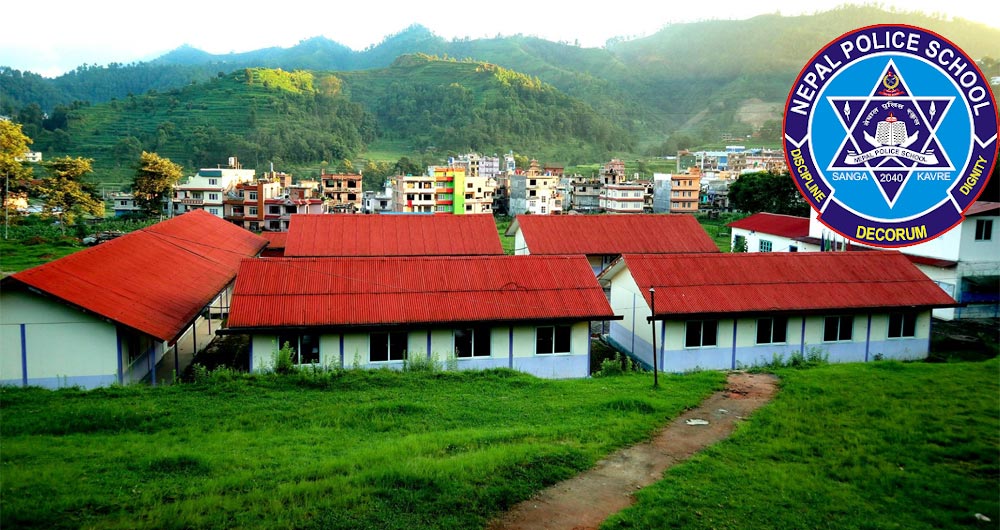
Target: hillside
{"points": [[460, 105], [259, 115], [686, 85], [313, 119]]}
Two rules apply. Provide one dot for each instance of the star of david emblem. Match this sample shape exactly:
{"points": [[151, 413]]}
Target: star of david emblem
{"points": [[890, 133]]}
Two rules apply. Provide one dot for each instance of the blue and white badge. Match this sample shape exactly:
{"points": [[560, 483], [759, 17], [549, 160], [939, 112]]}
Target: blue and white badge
{"points": [[890, 133]]}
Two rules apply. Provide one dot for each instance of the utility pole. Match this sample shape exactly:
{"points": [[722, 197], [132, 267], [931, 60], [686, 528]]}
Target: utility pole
{"points": [[652, 322], [6, 204]]}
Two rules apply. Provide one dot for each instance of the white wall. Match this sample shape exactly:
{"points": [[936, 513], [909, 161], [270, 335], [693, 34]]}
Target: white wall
{"points": [[980, 251], [520, 247], [753, 238], [61, 346], [634, 336], [510, 347], [948, 246]]}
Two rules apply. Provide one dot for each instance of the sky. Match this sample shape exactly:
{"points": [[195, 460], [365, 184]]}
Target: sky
{"points": [[50, 37]]}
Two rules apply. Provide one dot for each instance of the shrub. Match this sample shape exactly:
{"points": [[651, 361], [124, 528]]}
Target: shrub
{"points": [[282, 359], [617, 365], [421, 363]]}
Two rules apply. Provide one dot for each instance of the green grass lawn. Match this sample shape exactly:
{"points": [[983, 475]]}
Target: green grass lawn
{"points": [[350, 449], [717, 229], [882, 445], [18, 255]]}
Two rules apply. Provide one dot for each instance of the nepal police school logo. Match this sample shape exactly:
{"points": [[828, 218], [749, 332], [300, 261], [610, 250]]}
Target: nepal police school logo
{"points": [[891, 134]]}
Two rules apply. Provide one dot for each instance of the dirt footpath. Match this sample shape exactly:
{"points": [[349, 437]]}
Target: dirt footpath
{"points": [[586, 500]]}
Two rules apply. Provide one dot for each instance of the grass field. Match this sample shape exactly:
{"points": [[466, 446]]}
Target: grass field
{"points": [[882, 445], [353, 449], [18, 255]]}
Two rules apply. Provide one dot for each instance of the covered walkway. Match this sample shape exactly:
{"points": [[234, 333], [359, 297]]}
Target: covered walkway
{"points": [[180, 356]]}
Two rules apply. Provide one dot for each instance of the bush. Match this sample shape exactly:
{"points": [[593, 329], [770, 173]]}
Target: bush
{"points": [[617, 365], [814, 357], [421, 363], [282, 360]]}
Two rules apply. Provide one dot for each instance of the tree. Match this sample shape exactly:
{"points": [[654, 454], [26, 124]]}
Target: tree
{"points": [[66, 192], [767, 192], [154, 180], [405, 166], [13, 146]]}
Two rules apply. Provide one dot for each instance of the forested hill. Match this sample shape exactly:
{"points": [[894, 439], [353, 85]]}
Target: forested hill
{"points": [[684, 85], [426, 101], [313, 119]]}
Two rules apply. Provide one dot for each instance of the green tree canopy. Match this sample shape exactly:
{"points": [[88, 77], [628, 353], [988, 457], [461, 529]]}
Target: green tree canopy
{"points": [[154, 179], [767, 192], [67, 192], [13, 146]]}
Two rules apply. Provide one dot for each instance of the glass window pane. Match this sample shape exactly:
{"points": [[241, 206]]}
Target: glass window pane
{"points": [[463, 343], [309, 349], [910, 325], [763, 330], [895, 324], [543, 340], [779, 333], [481, 337], [846, 328], [397, 345], [379, 347], [709, 333], [563, 335], [692, 334], [830, 329]]}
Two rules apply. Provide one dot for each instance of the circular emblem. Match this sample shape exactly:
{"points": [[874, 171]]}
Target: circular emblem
{"points": [[890, 133]]}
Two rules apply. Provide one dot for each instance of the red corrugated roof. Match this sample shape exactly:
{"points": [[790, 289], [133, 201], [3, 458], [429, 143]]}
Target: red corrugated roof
{"points": [[776, 224], [983, 208], [275, 240], [418, 290], [351, 235], [155, 280], [612, 234], [782, 281]]}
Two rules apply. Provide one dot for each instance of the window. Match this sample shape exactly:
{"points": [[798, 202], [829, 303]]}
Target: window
{"points": [[253, 195], [699, 333], [275, 210], [552, 339], [838, 328], [772, 330], [902, 325], [252, 210], [213, 196], [739, 244], [472, 342], [305, 348], [765, 245], [213, 182], [984, 229], [793, 248], [387, 346]]}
